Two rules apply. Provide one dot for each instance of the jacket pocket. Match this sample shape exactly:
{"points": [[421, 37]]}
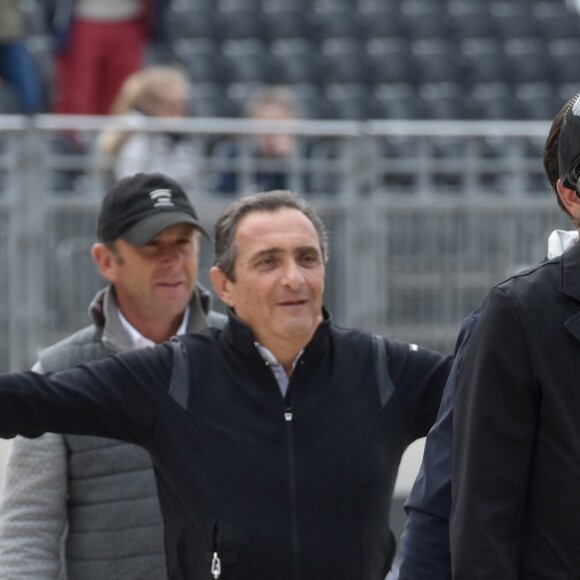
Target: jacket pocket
{"points": [[222, 557], [188, 557]]}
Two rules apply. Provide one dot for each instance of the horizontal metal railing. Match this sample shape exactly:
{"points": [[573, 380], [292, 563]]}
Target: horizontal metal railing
{"points": [[423, 216]]}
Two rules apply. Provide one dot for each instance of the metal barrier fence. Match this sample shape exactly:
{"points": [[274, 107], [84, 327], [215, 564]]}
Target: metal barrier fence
{"points": [[424, 217]]}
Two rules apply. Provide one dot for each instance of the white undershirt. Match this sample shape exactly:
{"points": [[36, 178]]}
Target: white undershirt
{"points": [[278, 370], [138, 340]]}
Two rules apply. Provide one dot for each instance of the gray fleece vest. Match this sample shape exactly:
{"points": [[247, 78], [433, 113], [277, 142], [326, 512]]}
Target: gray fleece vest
{"points": [[115, 525]]}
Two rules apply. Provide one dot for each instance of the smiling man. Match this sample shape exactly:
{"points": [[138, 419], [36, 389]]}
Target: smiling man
{"points": [[103, 491], [276, 454], [277, 283]]}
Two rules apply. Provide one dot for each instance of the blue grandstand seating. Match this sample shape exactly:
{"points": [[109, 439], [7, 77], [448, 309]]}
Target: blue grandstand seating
{"points": [[233, 45], [438, 60], [530, 61], [426, 19], [392, 61], [295, 61], [515, 20], [556, 20]]}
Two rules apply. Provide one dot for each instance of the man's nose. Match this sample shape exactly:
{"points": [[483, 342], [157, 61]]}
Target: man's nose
{"points": [[171, 256], [293, 276]]}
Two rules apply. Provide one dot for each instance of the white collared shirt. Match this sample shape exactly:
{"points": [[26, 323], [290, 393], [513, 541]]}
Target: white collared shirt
{"points": [[278, 370], [138, 340]]}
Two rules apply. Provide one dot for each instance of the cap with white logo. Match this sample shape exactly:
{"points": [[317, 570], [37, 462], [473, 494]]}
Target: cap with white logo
{"points": [[137, 208]]}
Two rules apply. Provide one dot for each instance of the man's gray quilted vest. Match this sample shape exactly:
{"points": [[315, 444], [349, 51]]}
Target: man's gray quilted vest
{"points": [[115, 525]]}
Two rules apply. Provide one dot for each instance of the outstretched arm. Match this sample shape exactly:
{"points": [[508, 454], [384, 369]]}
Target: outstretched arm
{"points": [[118, 397]]}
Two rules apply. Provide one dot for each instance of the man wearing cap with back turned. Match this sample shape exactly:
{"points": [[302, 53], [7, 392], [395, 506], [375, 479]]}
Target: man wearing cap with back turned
{"points": [[102, 492], [516, 444]]}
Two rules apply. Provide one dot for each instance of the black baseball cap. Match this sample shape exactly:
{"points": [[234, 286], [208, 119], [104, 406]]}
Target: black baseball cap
{"points": [[137, 208], [569, 145]]}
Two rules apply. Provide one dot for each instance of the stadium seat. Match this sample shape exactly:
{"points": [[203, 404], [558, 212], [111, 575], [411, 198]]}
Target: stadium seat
{"points": [[239, 93], [470, 19], [338, 21], [392, 61], [286, 24], [556, 20], [427, 19], [515, 20], [209, 100], [248, 61], [283, 5], [240, 24], [530, 60], [566, 91], [445, 101], [400, 101], [192, 22], [232, 5], [9, 104], [566, 57], [353, 102], [295, 62], [539, 101], [495, 101], [312, 102], [438, 61], [202, 60], [344, 61], [485, 61], [383, 21]]}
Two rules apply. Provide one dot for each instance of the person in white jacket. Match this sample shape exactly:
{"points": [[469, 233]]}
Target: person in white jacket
{"points": [[154, 92]]}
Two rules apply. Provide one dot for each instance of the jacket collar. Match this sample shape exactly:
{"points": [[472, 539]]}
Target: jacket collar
{"points": [[240, 336], [570, 286], [570, 272], [104, 312]]}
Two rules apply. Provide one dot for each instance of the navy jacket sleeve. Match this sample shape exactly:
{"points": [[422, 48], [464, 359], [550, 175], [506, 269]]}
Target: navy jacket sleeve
{"points": [[118, 396], [496, 404], [424, 545], [419, 376]]}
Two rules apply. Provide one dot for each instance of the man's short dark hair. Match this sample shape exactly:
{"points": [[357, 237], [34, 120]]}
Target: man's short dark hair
{"points": [[269, 202], [550, 154]]}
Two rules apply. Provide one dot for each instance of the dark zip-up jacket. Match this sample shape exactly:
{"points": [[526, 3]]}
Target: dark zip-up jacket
{"points": [[255, 485]]}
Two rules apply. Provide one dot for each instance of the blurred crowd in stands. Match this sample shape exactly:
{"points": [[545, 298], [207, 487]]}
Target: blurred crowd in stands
{"points": [[345, 59], [280, 59]]}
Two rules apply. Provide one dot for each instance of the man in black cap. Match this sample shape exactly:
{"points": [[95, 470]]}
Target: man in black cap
{"points": [[516, 443], [101, 491]]}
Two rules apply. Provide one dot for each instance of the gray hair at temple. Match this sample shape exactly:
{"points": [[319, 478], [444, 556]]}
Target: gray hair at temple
{"points": [[268, 202]]}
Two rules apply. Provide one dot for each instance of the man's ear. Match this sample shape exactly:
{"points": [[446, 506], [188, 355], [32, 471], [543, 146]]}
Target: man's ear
{"points": [[105, 261], [222, 285], [569, 198]]}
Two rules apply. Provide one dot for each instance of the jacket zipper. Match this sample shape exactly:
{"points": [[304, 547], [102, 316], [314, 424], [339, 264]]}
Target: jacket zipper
{"points": [[216, 564], [288, 417]]}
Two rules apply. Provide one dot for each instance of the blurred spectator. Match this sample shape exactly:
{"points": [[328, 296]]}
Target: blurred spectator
{"points": [[17, 67], [263, 162], [156, 91], [99, 43]]}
